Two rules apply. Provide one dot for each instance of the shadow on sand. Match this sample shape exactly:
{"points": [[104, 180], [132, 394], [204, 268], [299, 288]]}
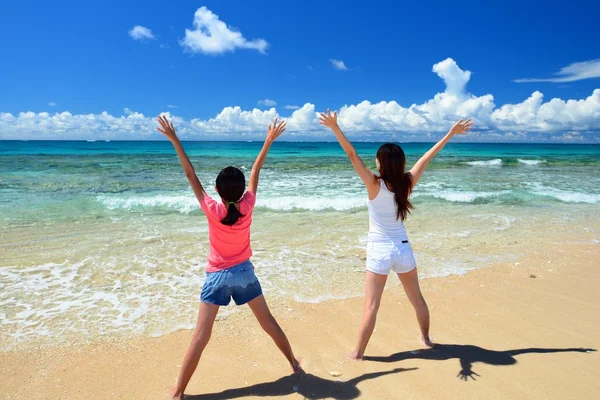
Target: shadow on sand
{"points": [[307, 385], [314, 388], [469, 354]]}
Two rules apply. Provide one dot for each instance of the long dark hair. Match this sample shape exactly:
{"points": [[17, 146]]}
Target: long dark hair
{"points": [[391, 169], [231, 184]]}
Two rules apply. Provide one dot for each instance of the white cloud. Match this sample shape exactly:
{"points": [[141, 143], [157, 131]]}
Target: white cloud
{"points": [[139, 32], [172, 106], [52, 104], [303, 119], [555, 115], [234, 119], [338, 64], [65, 125], [573, 72], [531, 119], [291, 107], [436, 114], [267, 102], [455, 78], [212, 36]]}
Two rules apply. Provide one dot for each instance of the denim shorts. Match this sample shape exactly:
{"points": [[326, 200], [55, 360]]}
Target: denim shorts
{"points": [[237, 282]]}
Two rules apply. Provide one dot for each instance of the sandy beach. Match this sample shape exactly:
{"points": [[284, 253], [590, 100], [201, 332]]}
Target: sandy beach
{"points": [[214, 152], [527, 329]]}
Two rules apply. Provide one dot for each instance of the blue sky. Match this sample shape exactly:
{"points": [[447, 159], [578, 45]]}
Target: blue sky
{"points": [[67, 62]]}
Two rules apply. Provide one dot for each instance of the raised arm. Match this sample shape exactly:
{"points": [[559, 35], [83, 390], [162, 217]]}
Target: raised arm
{"points": [[457, 129], [367, 176], [167, 129], [275, 130]]}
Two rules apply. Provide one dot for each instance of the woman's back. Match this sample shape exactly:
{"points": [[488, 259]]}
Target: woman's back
{"points": [[383, 221]]}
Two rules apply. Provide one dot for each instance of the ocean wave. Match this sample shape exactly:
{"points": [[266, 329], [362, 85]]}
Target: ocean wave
{"points": [[182, 203], [460, 196], [485, 163], [186, 204], [531, 162], [567, 196], [287, 203]]}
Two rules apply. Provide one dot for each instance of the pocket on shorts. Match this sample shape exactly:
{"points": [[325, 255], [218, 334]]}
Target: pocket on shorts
{"points": [[375, 251], [379, 255], [409, 260], [243, 275], [245, 266], [407, 255]]}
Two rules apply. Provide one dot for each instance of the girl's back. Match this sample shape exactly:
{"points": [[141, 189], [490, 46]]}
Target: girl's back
{"points": [[229, 245]]}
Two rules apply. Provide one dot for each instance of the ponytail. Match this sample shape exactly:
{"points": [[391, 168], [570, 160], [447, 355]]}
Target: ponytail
{"points": [[230, 186], [391, 169], [233, 214]]}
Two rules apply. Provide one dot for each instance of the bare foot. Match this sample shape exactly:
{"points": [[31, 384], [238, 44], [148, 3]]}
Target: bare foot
{"points": [[428, 341], [353, 355], [175, 395], [296, 367]]}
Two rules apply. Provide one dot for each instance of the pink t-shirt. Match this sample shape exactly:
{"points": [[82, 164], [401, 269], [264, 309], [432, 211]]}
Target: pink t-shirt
{"points": [[229, 245]]}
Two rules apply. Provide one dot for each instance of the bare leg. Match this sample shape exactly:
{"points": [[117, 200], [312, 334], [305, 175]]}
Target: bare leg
{"points": [[410, 283], [374, 285], [206, 318], [266, 320]]}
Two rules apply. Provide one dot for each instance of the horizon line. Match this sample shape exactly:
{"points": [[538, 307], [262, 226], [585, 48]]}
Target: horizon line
{"points": [[289, 141]]}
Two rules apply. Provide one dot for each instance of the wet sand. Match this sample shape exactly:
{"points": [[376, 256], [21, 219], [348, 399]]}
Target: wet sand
{"points": [[523, 329]]}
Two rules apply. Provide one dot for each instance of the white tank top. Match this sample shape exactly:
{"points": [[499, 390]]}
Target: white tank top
{"points": [[383, 224]]}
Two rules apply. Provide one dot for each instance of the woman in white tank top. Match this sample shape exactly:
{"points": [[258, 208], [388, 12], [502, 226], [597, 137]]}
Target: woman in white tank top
{"points": [[388, 248]]}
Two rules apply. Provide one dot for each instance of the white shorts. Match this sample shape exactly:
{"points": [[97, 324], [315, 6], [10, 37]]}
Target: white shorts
{"points": [[386, 256]]}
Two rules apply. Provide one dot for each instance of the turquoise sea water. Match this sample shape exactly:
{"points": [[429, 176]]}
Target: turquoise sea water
{"points": [[86, 176], [106, 237]]}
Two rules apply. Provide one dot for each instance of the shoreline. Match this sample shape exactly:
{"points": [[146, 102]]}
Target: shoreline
{"points": [[492, 317]]}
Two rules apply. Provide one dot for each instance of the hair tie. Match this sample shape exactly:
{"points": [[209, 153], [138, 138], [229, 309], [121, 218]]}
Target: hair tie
{"points": [[231, 202]]}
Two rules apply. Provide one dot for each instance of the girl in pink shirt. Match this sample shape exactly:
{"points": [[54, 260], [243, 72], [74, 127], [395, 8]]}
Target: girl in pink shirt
{"points": [[229, 273]]}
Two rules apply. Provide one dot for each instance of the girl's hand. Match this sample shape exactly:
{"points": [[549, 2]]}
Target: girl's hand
{"points": [[329, 120], [275, 130], [166, 128], [461, 127]]}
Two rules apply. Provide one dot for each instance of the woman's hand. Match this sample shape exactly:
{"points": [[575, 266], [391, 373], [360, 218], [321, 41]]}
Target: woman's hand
{"points": [[329, 120], [461, 127], [166, 128], [275, 130], [366, 175]]}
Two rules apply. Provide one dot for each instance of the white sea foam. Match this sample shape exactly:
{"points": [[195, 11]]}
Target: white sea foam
{"points": [[531, 162], [485, 163], [89, 298], [187, 203], [182, 203], [463, 234], [313, 203], [457, 265], [565, 195], [325, 297], [496, 222], [459, 196]]}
